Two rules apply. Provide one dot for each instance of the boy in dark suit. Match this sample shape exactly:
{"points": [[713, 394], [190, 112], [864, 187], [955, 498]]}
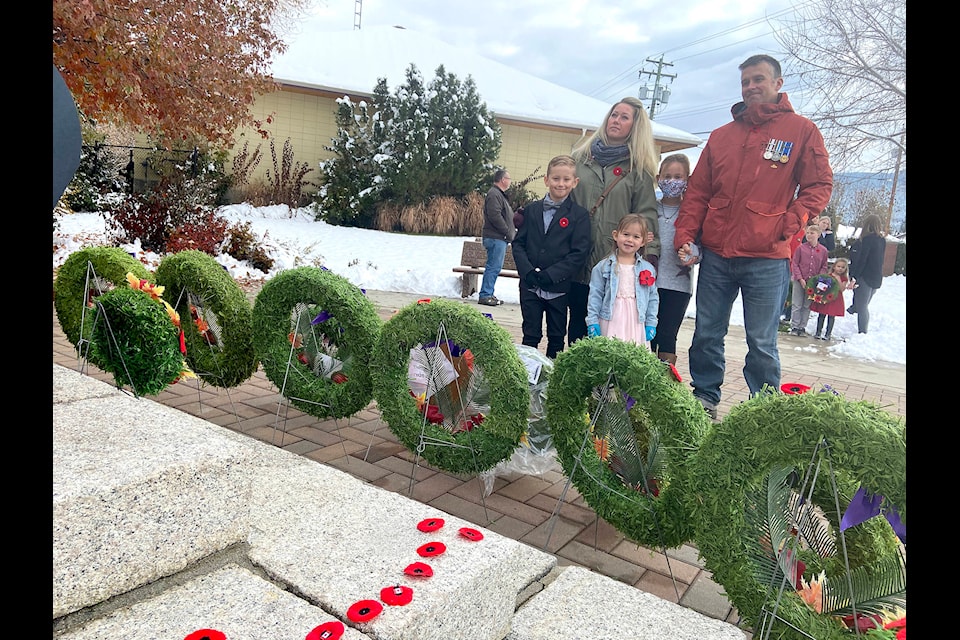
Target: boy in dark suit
{"points": [[550, 248]]}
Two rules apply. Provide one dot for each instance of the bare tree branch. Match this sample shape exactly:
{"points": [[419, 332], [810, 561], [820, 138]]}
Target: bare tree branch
{"points": [[850, 56]]}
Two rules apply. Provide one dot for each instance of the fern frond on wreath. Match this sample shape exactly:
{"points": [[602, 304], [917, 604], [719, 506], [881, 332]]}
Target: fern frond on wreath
{"points": [[877, 589]]}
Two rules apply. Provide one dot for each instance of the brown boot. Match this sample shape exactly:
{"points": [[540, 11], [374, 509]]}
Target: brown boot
{"points": [[668, 357]]}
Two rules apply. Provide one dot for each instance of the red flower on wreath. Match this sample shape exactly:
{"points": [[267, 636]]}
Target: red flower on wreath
{"points": [[364, 610], [646, 278], [617, 171], [564, 222], [332, 630]]}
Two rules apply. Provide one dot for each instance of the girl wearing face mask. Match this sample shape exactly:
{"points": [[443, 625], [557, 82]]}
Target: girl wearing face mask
{"points": [[674, 283]]}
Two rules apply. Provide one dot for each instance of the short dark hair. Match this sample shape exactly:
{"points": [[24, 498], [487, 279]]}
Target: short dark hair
{"points": [[759, 58], [498, 175]]}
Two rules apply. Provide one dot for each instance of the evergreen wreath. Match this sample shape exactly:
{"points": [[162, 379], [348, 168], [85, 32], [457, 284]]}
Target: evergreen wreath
{"points": [[823, 288], [74, 303], [867, 447], [217, 318], [135, 339], [351, 323], [670, 408], [497, 437]]}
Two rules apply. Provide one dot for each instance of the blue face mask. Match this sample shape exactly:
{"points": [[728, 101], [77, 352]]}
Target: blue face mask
{"points": [[672, 188]]}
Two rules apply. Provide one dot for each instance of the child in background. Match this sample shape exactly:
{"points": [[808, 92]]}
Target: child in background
{"points": [[623, 300], [809, 259], [551, 246], [674, 283], [829, 311]]}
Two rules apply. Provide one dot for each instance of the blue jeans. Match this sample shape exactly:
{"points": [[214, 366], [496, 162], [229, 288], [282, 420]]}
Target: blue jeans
{"points": [[862, 296], [496, 252], [762, 283]]}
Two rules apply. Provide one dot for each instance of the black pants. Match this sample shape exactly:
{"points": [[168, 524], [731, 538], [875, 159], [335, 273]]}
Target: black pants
{"points": [[577, 301], [829, 319], [533, 308], [673, 306]]}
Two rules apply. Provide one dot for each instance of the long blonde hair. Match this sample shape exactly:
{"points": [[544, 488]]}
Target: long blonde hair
{"points": [[643, 153]]}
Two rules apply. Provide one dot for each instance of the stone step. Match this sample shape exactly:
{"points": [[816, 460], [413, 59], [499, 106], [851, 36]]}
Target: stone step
{"points": [[165, 524]]}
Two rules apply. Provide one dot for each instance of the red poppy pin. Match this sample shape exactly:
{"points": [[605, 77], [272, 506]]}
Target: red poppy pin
{"points": [[646, 278], [673, 370], [471, 534], [207, 634], [396, 596], [419, 569], [430, 524], [794, 388], [364, 610], [564, 222], [617, 171], [431, 549], [332, 630]]}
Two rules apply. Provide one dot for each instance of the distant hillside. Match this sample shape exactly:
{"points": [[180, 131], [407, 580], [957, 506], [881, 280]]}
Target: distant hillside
{"points": [[855, 182]]}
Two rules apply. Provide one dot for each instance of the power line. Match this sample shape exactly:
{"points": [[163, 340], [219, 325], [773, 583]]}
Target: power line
{"points": [[631, 72]]}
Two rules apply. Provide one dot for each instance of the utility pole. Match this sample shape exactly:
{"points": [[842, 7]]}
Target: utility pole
{"points": [[660, 94], [357, 7]]}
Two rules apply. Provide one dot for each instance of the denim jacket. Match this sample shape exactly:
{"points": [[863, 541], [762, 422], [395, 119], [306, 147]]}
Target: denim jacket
{"points": [[603, 291]]}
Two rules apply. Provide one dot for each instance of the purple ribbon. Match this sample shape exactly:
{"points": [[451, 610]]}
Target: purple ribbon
{"points": [[455, 350], [323, 316], [865, 506]]}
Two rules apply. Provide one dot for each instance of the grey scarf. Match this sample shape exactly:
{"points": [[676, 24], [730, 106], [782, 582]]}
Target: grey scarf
{"points": [[607, 155]]}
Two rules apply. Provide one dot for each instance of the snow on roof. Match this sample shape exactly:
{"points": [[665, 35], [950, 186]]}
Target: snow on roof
{"points": [[353, 61]]}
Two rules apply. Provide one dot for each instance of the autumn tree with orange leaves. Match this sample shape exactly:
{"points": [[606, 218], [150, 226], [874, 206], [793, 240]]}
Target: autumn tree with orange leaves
{"points": [[172, 70]]}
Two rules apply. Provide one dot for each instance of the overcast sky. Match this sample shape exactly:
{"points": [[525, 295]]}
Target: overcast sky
{"points": [[598, 48]]}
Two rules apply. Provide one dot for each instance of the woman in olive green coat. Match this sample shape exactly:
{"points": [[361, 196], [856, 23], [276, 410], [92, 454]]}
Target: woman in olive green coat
{"points": [[620, 153]]}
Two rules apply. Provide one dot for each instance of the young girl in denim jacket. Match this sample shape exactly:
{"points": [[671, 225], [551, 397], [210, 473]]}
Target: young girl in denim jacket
{"points": [[623, 300]]}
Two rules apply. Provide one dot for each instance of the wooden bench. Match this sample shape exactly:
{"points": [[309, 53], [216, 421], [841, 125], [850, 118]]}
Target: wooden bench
{"points": [[472, 261]]}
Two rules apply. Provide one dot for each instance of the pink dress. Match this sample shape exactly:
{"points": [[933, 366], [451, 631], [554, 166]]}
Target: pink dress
{"points": [[625, 324]]}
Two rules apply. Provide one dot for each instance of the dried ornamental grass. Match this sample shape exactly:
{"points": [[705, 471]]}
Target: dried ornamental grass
{"points": [[413, 219], [470, 218], [441, 214]]}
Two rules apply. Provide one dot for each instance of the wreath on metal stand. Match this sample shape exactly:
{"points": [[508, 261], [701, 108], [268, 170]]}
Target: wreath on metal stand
{"points": [[305, 318], [772, 432], [219, 332], [664, 415], [84, 275], [495, 364]]}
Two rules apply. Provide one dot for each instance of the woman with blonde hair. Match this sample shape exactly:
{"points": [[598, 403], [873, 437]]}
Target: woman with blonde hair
{"points": [[616, 166]]}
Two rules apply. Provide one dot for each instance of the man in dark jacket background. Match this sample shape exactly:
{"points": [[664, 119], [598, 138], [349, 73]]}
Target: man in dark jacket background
{"points": [[498, 232], [756, 183]]}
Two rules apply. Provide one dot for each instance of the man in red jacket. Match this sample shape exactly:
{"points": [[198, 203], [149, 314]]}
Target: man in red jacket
{"points": [[757, 182]]}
